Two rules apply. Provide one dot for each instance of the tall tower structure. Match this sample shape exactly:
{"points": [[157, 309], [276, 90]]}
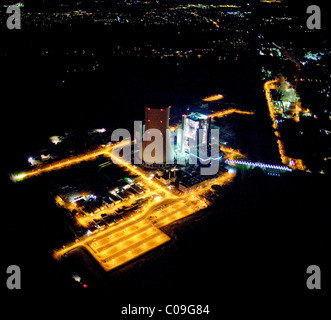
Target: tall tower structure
{"points": [[157, 116], [191, 125]]}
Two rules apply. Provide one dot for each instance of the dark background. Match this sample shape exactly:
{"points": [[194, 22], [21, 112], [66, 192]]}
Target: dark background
{"points": [[253, 246]]}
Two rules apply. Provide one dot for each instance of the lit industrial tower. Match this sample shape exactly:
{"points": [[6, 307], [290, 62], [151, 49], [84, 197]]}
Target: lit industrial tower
{"points": [[157, 117]]}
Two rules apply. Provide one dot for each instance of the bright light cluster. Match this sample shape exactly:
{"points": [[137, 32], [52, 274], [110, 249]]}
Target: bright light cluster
{"points": [[260, 165], [125, 240]]}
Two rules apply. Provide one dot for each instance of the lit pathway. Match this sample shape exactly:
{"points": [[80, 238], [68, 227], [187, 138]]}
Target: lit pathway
{"points": [[298, 163]]}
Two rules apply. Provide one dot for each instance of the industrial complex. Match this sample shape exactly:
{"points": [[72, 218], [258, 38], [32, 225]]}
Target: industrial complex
{"points": [[144, 183], [156, 152], [118, 215]]}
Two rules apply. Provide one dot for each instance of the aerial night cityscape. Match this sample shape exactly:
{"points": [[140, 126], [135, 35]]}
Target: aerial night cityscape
{"points": [[165, 156]]}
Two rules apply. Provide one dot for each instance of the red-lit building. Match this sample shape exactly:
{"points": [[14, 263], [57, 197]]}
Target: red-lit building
{"points": [[157, 116]]}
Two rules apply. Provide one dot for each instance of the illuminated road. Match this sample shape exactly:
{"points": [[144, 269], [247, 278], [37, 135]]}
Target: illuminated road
{"points": [[219, 114], [124, 241], [224, 113], [215, 97], [58, 165], [139, 233], [208, 20]]}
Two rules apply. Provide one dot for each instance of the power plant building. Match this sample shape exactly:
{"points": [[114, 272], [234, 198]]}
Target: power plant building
{"points": [[196, 130], [157, 116]]}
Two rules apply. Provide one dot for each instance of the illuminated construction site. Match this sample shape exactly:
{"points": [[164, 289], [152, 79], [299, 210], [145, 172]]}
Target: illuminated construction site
{"points": [[286, 106], [126, 220]]}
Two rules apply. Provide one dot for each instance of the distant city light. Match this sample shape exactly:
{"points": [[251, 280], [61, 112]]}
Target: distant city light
{"points": [[18, 177], [313, 56], [45, 157], [31, 161], [76, 277], [102, 130], [55, 139], [214, 97]]}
